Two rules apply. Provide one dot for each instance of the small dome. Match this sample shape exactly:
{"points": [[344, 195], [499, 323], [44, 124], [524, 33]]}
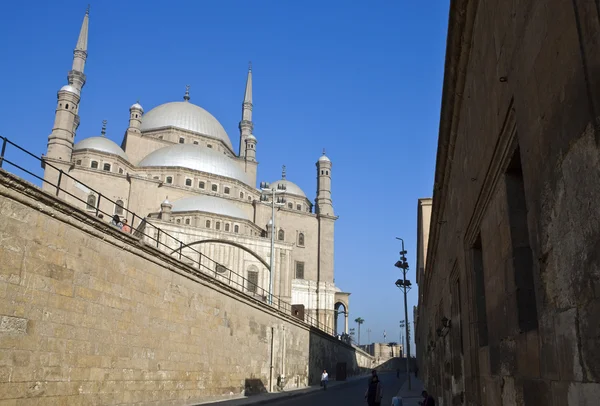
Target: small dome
{"points": [[324, 158], [186, 116], [166, 203], [137, 106], [70, 89], [101, 144], [251, 137], [197, 158], [290, 187], [209, 204]]}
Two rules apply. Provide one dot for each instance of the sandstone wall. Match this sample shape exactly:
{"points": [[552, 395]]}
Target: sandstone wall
{"points": [[88, 315], [513, 257]]}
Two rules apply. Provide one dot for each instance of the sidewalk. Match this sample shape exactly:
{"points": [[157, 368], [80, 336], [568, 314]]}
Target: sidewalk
{"points": [[411, 397], [265, 398]]}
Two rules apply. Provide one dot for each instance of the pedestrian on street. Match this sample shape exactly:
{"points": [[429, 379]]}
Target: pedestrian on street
{"points": [[324, 379], [374, 392], [429, 401]]}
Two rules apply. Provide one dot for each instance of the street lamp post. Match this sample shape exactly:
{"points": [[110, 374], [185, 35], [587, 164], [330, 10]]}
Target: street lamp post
{"points": [[264, 198], [404, 285]]}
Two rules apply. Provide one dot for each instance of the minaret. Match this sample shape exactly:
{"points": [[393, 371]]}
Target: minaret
{"points": [[246, 125], [251, 142], [135, 117], [66, 118], [324, 205], [326, 222]]}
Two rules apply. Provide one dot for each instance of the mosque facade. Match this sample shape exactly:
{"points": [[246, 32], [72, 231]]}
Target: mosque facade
{"points": [[178, 168]]}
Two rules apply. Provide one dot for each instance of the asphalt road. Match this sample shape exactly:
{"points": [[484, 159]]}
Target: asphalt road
{"points": [[349, 394]]}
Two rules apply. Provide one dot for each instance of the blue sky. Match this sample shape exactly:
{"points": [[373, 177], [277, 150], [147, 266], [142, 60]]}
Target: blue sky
{"points": [[361, 79]]}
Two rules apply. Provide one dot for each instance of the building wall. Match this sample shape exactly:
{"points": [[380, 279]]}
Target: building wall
{"points": [[89, 315], [513, 252]]}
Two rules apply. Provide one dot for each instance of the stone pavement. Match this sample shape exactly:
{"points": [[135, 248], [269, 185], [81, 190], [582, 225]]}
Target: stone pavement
{"points": [[413, 396], [265, 398]]}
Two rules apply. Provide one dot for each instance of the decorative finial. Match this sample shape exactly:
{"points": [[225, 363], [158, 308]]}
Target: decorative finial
{"points": [[283, 172], [87, 11], [250, 66], [323, 151], [103, 132], [187, 93]]}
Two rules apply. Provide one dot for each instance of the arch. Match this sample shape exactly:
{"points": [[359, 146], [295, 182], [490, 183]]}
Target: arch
{"points": [[226, 242], [337, 312], [281, 235], [301, 239]]}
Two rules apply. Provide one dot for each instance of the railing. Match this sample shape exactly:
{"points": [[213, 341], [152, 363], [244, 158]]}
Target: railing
{"points": [[154, 234]]}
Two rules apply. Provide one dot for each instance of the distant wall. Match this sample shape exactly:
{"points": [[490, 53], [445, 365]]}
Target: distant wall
{"points": [[89, 314]]}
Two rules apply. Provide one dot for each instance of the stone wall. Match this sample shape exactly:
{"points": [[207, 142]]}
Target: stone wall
{"points": [[513, 258], [89, 315]]}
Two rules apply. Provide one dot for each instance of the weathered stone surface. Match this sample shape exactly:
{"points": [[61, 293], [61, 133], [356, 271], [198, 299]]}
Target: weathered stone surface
{"points": [[517, 178], [94, 317]]}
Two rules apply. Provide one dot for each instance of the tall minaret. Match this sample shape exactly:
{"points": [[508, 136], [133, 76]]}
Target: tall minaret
{"points": [[66, 117], [246, 125], [326, 222]]}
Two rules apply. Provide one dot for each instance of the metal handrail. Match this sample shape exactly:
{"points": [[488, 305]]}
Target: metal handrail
{"points": [[143, 230]]}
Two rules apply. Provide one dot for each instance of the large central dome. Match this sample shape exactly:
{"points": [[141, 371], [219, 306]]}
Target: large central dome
{"points": [[186, 116]]}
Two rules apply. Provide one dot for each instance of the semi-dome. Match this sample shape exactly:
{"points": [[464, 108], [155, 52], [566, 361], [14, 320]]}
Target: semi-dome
{"points": [[209, 204], [197, 158], [186, 116], [101, 144], [290, 187]]}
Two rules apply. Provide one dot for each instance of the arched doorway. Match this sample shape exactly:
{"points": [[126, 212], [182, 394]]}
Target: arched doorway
{"points": [[341, 308]]}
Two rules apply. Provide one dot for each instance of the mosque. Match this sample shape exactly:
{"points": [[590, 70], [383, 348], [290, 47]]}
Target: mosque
{"points": [[177, 167]]}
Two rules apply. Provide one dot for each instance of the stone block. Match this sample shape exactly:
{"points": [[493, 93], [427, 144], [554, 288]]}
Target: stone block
{"points": [[13, 325]]}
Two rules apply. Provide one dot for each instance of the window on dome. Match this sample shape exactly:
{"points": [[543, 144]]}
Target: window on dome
{"points": [[214, 188], [119, 207], [182, 140], [226, 226], [91, 202], [160, 137], [226, 190], [290, 205], [250, 198], [241, 195], [298, 207], [156, 177], [301, 239], [169, 179], [195, 142], [106, 167], [236, 228], [78, 162], [94, 165], [218, 225], [121, 171], [201, 185], [187, 221], [178, 221], [188, 182], [281, 235], [208, 145], [207, 223]]}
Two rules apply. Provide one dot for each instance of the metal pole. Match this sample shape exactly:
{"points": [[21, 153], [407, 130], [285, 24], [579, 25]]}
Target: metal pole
{"points": [[272, 264], [406, 326]]}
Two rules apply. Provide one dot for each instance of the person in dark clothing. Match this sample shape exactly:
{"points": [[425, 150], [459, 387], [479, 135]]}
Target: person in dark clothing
{"points": [[429, 401], [374, 391]]}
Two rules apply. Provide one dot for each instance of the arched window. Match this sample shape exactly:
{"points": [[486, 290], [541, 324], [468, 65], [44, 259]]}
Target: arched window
{"points": [[218, 225], [119, 207], [121, 171], [208, 146], [182, 140], [67, 106], [91, 202], [226, 226], [78, 162], [169, 179], [236, 228], [326, 172], [106, 167], [290, 205], [226, 190], [252, 282], [188, 182], [178, 221], [241, 195], [195, 142], [322, 172], [187, 221], [298, 207], [201, 185], [281, 235], [214, 188], [301, 239], [207, 223], [94, 165]]}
